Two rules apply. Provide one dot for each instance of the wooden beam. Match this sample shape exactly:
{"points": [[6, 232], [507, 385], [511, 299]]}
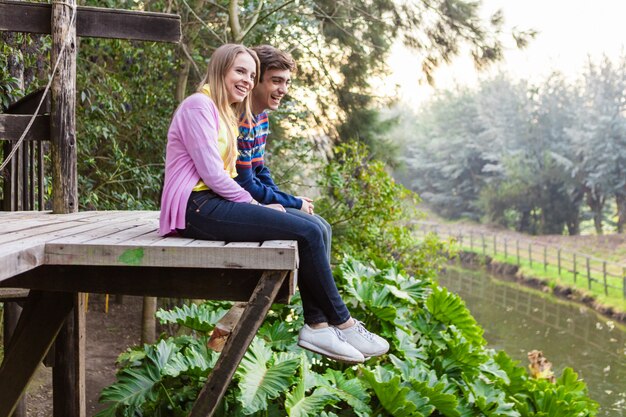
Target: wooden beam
{"points": [[20, 16], [237, 344], [13, 125], [63, 112], [11, 316], [28, 104], [211, 284], [40, 321]]}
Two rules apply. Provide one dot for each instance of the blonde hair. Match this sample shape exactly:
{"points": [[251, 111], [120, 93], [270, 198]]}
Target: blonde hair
{"points": [[222, 60]]}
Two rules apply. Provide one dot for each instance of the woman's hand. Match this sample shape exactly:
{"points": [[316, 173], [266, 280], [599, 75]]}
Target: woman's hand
{"points": [[277, 207]]}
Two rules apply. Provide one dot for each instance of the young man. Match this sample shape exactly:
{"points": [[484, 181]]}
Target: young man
{"points": [[252, 174]]}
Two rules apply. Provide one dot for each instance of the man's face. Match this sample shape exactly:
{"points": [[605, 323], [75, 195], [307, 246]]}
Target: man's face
{"points": [[270, 90]]}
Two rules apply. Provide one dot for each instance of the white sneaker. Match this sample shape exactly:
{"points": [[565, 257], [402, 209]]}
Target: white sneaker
{"points": [[366, 342], [330, 342]]}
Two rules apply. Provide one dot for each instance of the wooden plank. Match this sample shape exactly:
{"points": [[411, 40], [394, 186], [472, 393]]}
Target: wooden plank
{"points": [[12, 126], [128, 234], [237, 344], [39, 324], [12, 294], [63, 110], [198, 243], [166, 254], [18, 16], [20, 253]]}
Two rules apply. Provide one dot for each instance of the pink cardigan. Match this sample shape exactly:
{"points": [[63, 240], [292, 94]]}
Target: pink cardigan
{"points": [[191, 154]]}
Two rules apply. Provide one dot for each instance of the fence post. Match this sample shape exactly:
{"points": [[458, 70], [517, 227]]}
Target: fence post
{"points": [[558, 258], [506, 251], [624, 282], [588, 274], [545, 258], [472, 241], [482, 236], [495, 251], [606, 288], [517, 251], [530, 254], [575, 271]]}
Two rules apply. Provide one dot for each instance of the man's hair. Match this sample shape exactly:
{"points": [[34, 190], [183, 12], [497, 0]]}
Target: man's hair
{"points": [[272, 58]]}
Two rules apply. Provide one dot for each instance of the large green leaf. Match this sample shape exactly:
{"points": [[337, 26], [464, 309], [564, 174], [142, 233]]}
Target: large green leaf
{"points": [[450, 309], [350, 390], [394, 396], [262, 377], [134, 387], [201, 318], [298, 404], [277, 335]]}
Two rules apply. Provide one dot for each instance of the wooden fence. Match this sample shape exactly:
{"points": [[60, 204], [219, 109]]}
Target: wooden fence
{"points": [[572, 267]]}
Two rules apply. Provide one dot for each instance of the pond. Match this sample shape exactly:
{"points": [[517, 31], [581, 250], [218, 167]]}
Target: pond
{"points": [[517, 320]]}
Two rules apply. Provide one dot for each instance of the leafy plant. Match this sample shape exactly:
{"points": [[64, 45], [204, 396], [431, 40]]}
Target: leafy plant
{"points": [[438, 363]]}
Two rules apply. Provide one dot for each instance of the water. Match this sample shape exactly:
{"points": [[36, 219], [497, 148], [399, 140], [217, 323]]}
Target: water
{"points": [[518, 320]]}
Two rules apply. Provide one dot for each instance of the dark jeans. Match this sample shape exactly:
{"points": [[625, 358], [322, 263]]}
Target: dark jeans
{"points": [[210, 217], [327, 231]]}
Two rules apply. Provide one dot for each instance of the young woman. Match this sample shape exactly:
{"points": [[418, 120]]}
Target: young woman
{"points": [[201, 200]]}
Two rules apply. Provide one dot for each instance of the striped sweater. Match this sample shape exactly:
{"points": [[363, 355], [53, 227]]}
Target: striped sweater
{"points": [[252, 174]]}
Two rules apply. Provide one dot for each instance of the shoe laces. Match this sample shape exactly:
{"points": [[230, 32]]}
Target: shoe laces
{"points": [[339, 334], [363, 331]]}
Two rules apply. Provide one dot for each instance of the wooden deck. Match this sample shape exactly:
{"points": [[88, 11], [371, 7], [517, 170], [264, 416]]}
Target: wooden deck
{"points": [[104, 252], [58, 256]]}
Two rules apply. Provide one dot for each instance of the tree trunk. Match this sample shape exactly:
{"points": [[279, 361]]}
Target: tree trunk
{"points": [[183, 75], [148, 322], [620, 200], [595, 201]]}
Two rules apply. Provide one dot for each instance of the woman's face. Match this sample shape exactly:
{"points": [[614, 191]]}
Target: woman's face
{"points": [[239, 79]]}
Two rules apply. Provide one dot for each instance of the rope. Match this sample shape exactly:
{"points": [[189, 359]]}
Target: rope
{"points": [[43, 97]]}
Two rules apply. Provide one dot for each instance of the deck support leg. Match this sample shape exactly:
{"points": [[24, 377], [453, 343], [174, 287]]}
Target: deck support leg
{"points": [[40, 322], [238, 342], [68, 373], [12, 312]]}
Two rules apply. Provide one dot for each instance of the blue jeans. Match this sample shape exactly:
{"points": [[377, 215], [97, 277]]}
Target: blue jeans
{"points": [[210, 217], [327, 231]]}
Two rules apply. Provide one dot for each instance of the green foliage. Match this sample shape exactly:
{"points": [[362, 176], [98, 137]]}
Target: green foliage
{"points": [[526, 156], [437, 365], [369, 211]]}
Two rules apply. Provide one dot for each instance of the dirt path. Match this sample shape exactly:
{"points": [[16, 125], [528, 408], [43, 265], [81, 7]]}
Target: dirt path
{"points": [[107, 336]]}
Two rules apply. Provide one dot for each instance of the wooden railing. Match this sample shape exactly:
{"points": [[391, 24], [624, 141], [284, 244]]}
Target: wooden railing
{"points": [[576, 267]]}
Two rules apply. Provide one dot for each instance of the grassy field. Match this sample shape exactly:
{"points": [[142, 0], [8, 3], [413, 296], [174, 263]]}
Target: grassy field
{"points": [[595, 265]]}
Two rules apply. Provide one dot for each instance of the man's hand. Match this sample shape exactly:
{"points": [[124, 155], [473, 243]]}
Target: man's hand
{"points": [[307, 205]]}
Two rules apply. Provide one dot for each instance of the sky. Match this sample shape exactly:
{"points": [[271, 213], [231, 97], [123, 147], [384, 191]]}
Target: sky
{"points": [[570, 31]]}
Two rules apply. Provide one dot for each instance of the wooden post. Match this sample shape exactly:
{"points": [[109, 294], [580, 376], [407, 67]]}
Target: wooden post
{"points": [[472, 241], [506, 251], [530, 255], [517, 251], [575, 270], [558, 259], [495, 251], [63, 112], [606, 287], [588, 274], [68, 373], [545, 258]]}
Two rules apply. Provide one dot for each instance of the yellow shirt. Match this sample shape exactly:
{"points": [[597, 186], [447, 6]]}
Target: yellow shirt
{"points": [[222, 146]]}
